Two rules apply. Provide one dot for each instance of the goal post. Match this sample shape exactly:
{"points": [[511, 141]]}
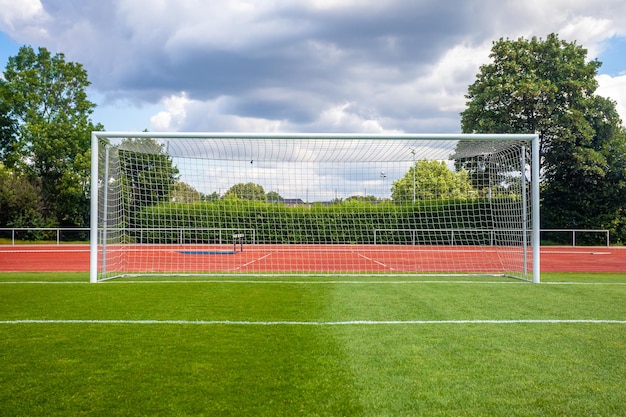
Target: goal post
{"points": [[187, 203]]}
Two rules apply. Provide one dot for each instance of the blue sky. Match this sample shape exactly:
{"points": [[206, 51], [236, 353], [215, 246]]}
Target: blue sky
{"points": [[613, 58], [312, 65]]}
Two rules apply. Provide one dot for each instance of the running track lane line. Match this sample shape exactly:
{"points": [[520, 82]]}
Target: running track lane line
{"points": [[373, 260], [253, 261]]}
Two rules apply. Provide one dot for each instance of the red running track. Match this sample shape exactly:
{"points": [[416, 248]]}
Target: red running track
{"points": [[75, 258]]}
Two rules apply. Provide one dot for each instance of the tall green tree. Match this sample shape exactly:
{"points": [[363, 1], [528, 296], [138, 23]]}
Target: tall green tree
{"points": [[44, 99], [248, 191], [20, 200], [548, 87], [430, 180], [149, 175], [274, 197], [184, 193], [8, 125]]}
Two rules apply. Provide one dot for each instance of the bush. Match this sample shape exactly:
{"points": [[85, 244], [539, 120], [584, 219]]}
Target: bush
{"points": [[349, 222]]}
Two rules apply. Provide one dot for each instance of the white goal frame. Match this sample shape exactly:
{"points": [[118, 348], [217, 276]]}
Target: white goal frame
{"points": [[533, 139]]}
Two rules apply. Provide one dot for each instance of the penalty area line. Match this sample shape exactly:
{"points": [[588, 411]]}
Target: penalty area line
{"points": [[315, 323]]}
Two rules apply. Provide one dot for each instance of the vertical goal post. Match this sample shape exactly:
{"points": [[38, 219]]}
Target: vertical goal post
{"points": [[311, 180]]}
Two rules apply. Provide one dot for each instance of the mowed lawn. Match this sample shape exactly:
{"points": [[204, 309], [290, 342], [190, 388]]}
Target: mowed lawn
{"points": [[361, 346]]}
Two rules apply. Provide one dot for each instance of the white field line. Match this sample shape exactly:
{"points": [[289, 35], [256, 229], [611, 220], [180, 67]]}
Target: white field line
{"points": [[315, 323]]}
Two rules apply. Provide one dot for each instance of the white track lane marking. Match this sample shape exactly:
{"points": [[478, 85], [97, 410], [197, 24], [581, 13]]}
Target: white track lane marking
{"points": [[575, 253], [375, 261], [252, 261]]}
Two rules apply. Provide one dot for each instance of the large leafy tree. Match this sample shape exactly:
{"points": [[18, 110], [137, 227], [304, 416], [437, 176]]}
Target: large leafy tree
{"points": [[20, 200], [46, 130], [8, 126], [274, 197], [248, 191], [184, 193], [430, 180], [149, 175], [548, 87]]}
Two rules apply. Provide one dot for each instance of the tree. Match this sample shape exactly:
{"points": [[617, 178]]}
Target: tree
{"points": [[46, 130], [274, 197], [149, 175], [184, 193], [430, 180], [249, 191], [548, 87], [8, 125], [214, 196], [363, 198], [20, 200]]}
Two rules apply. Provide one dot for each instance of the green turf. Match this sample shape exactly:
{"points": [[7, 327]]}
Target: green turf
{"points": [[430, 369]]}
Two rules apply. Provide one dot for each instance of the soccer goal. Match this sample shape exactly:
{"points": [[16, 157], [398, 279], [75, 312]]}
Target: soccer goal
{"points": [[181, 204]]}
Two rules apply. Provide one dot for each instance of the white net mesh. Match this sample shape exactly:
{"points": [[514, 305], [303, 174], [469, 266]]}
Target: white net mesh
{"points": [[258, 204]]}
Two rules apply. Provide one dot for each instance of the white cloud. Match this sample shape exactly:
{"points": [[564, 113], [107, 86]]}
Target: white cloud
{"points": [[222, 25], [314, 65], [337, 4], [173, 117], [23, 19], [615, 89], [589, 32], [16, 12], [344, 117], [306, 66], [234, 123], [447, 82], [183, 114]]}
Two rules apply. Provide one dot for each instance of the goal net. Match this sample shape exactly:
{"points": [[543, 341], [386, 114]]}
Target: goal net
{"points": [[234, 203]]}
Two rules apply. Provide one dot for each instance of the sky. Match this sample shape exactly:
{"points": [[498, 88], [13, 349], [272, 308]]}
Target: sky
{"points": [[299, 66]]}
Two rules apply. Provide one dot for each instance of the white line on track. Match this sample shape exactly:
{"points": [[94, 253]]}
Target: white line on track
{"points": [[253, 261], [574, 253], [314, 323], [375, 261], [45, 251]]}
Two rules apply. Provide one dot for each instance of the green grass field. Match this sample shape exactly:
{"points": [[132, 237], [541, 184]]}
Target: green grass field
{"points": [[313, 347]]}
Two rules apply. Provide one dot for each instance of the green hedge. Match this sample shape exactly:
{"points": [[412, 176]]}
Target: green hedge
{"points": [[346, 222]]}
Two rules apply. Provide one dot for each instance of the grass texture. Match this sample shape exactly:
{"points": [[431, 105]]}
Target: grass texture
{"points": [[312, 347]]}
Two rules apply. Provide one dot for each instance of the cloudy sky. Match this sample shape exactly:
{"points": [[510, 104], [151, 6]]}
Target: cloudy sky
{"points": [[299, 65]]}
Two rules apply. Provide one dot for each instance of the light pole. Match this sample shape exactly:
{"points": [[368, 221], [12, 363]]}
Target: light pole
{"points": [[382, 177], [413, 167]]}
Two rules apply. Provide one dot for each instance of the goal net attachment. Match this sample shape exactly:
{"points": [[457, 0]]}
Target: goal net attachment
{"points": [[185, 204]]}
